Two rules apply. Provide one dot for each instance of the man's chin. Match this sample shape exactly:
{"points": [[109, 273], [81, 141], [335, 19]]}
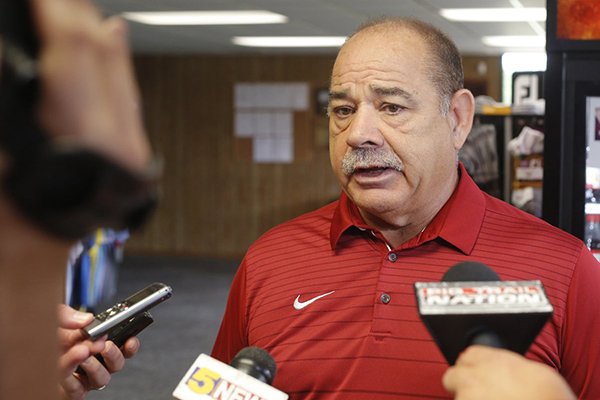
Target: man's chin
{"points": [[376, 200]]}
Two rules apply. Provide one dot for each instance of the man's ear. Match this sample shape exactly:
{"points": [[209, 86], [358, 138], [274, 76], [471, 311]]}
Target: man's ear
{"points": [[460, 116]]}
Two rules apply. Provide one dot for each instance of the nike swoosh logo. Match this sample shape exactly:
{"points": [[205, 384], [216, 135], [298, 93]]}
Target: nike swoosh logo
{"points": [[299, 305]]}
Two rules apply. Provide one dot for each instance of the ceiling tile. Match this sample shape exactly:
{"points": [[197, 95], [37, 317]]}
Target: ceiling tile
{"points": [[306, 17]]}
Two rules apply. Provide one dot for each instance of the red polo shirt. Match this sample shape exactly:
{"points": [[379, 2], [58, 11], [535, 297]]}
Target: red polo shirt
{"points": [[336, 309]]}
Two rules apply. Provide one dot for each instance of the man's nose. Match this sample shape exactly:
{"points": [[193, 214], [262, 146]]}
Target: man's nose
{"points": [[365, 129]]}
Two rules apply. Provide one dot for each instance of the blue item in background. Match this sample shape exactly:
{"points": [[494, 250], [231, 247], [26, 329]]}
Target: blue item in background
{"points": [[92, 270]]}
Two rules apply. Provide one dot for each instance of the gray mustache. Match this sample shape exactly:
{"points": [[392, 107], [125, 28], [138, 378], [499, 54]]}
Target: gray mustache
{"points": [[370, 158]]}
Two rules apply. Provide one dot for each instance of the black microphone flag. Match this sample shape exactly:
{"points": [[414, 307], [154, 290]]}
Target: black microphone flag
{"points": [[473, 306]]}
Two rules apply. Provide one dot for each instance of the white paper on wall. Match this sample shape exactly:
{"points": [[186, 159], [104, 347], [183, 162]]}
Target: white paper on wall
{"points": [[264, 112], [242, 96], [264, 123], [273, 150], [283, 124], [299, 96], [244, 125], [294, 96]]}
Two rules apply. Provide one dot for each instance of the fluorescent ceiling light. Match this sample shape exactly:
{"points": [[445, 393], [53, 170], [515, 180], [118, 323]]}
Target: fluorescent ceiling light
{"points": [[514, 41], [494, 14], [289, 41], [206, 17]]}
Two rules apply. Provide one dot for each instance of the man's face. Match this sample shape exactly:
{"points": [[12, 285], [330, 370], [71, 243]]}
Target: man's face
{"points": [[390, 146]]}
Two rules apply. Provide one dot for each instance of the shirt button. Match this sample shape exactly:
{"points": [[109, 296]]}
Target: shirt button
{"points": [[385, 298], [392, 257]]}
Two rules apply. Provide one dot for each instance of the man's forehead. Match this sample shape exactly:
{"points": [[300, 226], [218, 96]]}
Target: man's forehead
{"points": [[378, 51], [389, 76], [384, 37]]}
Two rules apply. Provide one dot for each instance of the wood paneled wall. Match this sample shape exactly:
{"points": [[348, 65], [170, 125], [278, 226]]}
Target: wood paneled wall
{"points": [[483, 75], [215, 200]]}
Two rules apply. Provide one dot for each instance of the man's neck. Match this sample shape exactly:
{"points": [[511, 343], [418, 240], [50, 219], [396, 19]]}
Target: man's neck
{"points": [[396, 234], [398, 228]]}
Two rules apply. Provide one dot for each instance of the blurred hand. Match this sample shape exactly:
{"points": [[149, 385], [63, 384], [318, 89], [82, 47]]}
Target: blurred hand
{"points": [[89, 96], [487, 373], [78, 351]]}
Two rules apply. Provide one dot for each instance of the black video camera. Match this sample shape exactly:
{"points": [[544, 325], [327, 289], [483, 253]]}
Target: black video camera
{"points": [[67, 192]]}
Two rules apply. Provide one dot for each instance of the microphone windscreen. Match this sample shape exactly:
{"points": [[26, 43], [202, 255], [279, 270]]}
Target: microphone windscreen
{"points": [[244, 378], [470, 271], [255, 362]]}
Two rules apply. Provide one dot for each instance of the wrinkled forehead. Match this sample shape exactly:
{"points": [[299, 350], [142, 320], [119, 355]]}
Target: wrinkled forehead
{"points": [[392, 54], [382, 47]]}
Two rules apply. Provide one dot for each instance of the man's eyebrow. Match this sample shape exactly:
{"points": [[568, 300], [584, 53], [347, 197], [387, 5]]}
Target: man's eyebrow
{"points": [[378, 90], [333, 95], [391, 91]]}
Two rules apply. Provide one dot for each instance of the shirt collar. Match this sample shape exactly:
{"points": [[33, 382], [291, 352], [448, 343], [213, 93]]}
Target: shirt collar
{"points": [[458, 222]]}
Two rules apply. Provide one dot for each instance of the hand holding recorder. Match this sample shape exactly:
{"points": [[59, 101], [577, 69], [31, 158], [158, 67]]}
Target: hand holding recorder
{"points": [[109, 335], [77, 352]]}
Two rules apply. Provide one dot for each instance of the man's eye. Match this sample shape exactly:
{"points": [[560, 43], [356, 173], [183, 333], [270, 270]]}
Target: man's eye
{"points": [[392, 108], [343, 111]]}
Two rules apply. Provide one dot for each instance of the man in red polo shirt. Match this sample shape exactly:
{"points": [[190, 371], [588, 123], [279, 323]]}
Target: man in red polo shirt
{"points": [[330, 294]]}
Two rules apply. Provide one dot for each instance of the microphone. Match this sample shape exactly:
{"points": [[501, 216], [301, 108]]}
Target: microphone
{"points": [[473, 306], [248, 377]]}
